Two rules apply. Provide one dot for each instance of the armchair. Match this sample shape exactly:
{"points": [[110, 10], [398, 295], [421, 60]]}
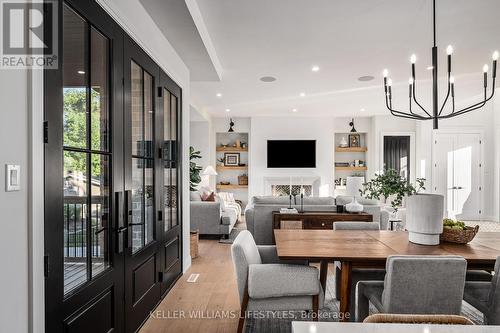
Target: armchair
{"points": [[266, 283]]}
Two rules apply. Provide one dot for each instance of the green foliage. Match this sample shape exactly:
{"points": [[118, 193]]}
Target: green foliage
{"points": [[75, 126], [391, 183], [452, 224], [194, 169]]}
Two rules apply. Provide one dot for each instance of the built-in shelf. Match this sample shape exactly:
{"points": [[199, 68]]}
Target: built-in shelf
{"points": [[231, 186], [351, 149], [232, 149], [223, 168], [351, 168]]}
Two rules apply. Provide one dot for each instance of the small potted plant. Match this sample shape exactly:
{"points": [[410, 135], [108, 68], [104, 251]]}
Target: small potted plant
{"points": [[194, 169]]}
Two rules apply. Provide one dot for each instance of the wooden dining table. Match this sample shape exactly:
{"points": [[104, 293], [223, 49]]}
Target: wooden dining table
{"points": [[370, 249]]}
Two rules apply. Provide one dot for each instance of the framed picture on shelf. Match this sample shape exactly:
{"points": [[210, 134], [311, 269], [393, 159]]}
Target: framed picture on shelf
{"points": [[231, 159], [354, 140]]}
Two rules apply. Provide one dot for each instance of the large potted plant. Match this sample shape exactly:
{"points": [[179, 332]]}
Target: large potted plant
{"points": [[194, 169]]}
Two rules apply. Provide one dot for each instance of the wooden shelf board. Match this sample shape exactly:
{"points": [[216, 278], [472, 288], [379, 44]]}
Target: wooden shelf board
{"points": [[351, 149], [351, 168], [231, 149], [223, 168], [231, 186]]}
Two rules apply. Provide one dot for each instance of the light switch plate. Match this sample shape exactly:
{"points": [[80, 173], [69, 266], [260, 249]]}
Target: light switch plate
{"points": [[12, 177]]}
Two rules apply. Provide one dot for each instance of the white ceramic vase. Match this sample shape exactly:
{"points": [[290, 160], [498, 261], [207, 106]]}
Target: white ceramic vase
{"points": [[424, 218], [354, 206]]}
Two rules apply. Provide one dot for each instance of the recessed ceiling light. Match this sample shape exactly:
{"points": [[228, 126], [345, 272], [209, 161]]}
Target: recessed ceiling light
{"points": [[294, 110], [362, 110], [81, 72], [302, 94], [365, 78], [268, 79], [227, 110], [218, 95], [315, 68]]}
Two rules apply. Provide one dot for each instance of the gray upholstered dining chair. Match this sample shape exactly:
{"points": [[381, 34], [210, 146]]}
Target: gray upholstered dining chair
{"points": [[415, 285], [266, 283], [485, 296], [358, 274]]}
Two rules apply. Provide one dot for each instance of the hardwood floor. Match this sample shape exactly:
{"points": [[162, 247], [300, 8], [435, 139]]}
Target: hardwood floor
{"points": [[212, 296]]}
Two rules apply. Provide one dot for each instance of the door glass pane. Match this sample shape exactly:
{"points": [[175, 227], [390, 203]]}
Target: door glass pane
{"points": [[148, 114], [100, 213], [137, 203], [75, 78], [175, 159], [166, 170], [99, 91], [149, 201], [75, 219], [137, 109]]}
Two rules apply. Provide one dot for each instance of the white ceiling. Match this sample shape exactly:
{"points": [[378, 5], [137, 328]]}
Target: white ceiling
{"points": [[346, 39]]}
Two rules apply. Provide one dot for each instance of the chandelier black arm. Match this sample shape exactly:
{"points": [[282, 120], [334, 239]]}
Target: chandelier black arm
{"points": [[447, 95], [403, 114], [479, 104], [415, 99], [469, 108]]}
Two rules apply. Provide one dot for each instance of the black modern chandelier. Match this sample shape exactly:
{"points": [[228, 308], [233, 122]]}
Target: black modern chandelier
{"points": [[437, 112]]}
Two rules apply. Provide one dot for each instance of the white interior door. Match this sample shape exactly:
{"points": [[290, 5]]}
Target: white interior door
{"points": [[457, 173]]}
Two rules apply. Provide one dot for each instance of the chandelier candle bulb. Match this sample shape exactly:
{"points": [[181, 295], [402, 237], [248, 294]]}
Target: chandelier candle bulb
{"points": [[449, 50], [386, 72], [413, 59]]}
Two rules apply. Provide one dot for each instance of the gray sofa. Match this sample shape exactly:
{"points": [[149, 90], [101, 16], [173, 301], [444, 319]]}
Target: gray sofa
{"points": [[258, 214], [209, 218]]}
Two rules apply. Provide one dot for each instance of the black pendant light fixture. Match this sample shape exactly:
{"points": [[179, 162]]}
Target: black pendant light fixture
{"points": [[437, 112]]}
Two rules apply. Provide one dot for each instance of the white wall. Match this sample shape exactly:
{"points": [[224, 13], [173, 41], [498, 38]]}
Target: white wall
{"points": [[293, 128], [14, 247]]}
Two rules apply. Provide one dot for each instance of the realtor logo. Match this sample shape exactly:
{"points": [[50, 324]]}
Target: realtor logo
{"points": [[28, 36]]}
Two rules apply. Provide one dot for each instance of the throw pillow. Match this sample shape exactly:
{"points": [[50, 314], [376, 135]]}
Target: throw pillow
{"points": [[208, 197]]}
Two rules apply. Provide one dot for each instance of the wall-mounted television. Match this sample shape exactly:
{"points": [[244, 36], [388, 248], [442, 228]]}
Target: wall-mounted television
{"points": [[291, 153]]}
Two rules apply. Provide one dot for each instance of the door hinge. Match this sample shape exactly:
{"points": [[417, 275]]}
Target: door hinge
{"points": [[160, 153], [46, 266], [160, 91], [160, 276], [45, 131], [123, 81], [160, 215]]}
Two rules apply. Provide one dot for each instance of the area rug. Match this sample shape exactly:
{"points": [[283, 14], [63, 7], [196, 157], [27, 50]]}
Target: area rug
{"points": [[329, 313], [238, 227]]}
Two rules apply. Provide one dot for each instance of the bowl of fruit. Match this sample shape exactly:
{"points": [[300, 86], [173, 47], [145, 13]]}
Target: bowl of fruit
{"points": [[457, 232]]}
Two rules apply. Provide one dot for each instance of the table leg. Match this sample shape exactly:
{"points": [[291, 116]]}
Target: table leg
{"points": [[323, 273], [345, 289]]}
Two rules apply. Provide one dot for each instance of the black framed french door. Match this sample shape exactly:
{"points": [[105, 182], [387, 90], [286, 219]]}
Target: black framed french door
{"points": [[169, 104], [112, 177], [83, 153], [142, 187]]}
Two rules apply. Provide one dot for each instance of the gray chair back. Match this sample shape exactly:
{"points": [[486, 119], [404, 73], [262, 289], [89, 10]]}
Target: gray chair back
{"points": [[244, 252], [356, 226], [424, 284], [494, 299]]}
